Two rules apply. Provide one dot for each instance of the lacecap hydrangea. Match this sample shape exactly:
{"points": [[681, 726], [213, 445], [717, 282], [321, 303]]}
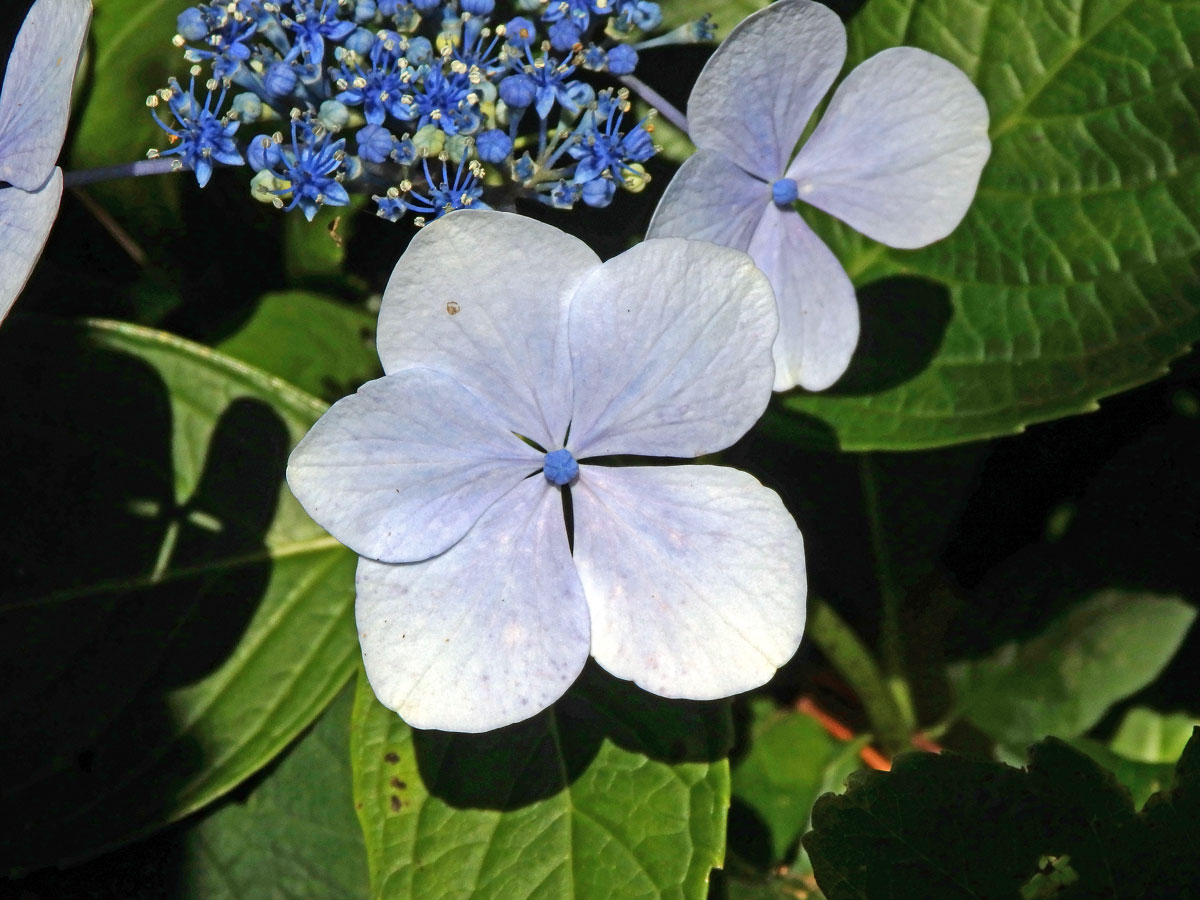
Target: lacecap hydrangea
{"points": [[426, 105]]}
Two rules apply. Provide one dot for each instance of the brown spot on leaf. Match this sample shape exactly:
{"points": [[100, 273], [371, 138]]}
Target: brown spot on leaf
{"points": [[397, 783], [394, 801], [393, 758]]}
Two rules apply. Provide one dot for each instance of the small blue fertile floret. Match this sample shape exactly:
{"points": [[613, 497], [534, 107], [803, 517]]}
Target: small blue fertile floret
{"points": [[518, 91], [560, 467], [446, 195], [493, 146], [202, 136], [622, 59], [564, 34], [520, 32], [375, 143], [192, 24]]}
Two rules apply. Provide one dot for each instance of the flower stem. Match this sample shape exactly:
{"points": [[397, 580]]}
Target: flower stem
{"points": [[664, 106], [854, 662], [891, 635], [160, 166]]}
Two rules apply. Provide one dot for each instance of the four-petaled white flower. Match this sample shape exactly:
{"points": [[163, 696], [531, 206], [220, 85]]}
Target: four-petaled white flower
{"points": [[473, 611], [897, 156], [34, 104]]}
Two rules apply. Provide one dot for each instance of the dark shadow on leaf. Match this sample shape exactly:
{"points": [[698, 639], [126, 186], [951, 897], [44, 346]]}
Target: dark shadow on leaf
{"points": [[515, 766], [903, 321], [115, 591]]}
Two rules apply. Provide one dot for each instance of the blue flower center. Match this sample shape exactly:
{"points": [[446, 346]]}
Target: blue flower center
{"points": [[560, 467], [784, 192]]}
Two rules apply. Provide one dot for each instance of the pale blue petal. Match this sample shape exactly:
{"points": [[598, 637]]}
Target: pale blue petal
{"points": [[489, 633], [711, 199], [756, 94], [818, 312], [402, 469], [694, 577], [899, 151], [671, 350], [25, 222], [36, 96], [483, 296]]}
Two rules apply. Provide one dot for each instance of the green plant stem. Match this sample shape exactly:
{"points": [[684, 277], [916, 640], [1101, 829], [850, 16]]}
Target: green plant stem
{"points": [[891, 635], [855, 663]]}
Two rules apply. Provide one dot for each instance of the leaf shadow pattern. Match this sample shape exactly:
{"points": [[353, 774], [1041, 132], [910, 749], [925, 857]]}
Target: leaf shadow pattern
{"points": [[117, 592], [521, 764]]}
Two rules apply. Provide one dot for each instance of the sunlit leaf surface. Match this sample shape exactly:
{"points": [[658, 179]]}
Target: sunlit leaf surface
{"points": [[610, 793]]}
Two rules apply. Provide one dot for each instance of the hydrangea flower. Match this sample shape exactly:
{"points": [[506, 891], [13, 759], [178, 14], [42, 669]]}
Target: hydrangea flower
{"points": [[501, 392], [463, 77], [34, 104], [896, 156]]}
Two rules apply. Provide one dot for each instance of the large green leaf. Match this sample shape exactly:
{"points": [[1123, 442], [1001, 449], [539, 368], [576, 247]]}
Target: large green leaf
{"points": [[170, 617], [1074, 275], [947, 828], [1062, 681], [294, 835], [612, 793], [318, 344]]}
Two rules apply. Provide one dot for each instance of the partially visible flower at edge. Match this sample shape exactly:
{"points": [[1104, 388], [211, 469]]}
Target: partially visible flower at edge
{"points": [[897, 156], [34, 105], [446, 475]]}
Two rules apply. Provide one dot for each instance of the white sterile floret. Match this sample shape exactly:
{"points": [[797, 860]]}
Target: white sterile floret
{"points": [[34, 104], [897, 155], [472, 610]]}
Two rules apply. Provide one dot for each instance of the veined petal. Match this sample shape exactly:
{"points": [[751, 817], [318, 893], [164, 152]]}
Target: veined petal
{"points": [[36, 96], [402, 469], [26, 218], [694, 577], [818, 311], [711, 199], [461, 301], [900, 149], [756, 94], [489, 633], [671, 350]]}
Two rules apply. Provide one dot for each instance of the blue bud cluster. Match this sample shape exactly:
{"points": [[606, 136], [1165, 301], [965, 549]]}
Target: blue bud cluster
{"points": [[426, 105]]}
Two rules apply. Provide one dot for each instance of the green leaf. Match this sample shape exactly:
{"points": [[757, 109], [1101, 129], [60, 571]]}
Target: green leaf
{"points": [[318, 344], [1074, 275], [315, 251], [948, 827], [1143, 752], [1064, 680], [612, 793], [1152, 737], [131, 59], [294, 835], [792, 760], [170, 618]]}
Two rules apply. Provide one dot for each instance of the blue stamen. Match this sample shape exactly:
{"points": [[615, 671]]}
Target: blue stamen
{"points": [[560, 467]]}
